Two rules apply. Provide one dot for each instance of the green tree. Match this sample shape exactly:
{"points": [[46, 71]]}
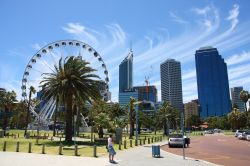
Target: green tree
{"points": [[131, 117], [233, 118], [71, 78], [168, 117], [7, 99], [194, 120], [100, 117], [118, 116], [244, 96]]}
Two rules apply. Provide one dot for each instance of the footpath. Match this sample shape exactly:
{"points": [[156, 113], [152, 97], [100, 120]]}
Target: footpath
{"points": [[138, 156]]}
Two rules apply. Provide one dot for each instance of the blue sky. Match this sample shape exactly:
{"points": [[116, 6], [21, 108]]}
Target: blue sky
{"points": [[157, 29]]}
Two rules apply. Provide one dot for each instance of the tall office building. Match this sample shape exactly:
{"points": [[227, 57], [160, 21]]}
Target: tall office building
{"points": [[171, 86], [146, 93], [235, 97], [126, 73], [191, 108], [126, 80], [212, 82]]}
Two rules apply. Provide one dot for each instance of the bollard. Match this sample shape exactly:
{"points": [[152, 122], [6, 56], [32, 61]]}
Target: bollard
{"points": [[17, 135], [4, 146], [148, 140], [140, 142], [144, 141], [136, 142], [29, 151], [152, 139], [43, 149], [94, 151], [131, 143], [120, 145], [60, 149], [17, 146], [76, 150], [125, 144]]}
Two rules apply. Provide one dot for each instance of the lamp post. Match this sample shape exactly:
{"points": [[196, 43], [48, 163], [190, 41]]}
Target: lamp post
{"points": [[136, 116]]}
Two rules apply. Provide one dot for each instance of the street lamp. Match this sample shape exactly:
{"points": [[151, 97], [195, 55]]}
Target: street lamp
{"points": [[136, 110]]}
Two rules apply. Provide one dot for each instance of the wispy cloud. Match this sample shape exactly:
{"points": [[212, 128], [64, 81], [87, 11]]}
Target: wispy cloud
{"points": [[177, 18], [238, 58], [233, 15]]}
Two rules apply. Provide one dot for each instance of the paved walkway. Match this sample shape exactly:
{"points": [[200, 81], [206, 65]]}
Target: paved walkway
{"points": [[131, 157]]}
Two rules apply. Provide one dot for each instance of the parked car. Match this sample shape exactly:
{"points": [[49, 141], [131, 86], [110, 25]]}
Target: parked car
{"points": [[245, 134], [248, 137], [217, 130], [177, 140], [208, 132], [238, 132]]}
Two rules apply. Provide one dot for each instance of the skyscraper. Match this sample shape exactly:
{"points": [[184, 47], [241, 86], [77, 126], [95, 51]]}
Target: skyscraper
{"points": [[126, 80], [126, 73], [171, 86], [212, 82], [235, 96]]}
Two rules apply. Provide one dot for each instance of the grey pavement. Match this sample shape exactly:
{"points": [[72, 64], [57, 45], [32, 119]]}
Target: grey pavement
{"points": [[143, 156], [137, 156]]}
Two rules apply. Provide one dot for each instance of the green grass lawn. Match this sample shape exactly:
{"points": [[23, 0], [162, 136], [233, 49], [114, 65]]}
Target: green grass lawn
{"points": [[52, 146]]}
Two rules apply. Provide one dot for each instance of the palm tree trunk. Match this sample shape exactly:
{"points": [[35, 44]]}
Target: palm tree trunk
{"points": [[55, 118], [68, 130]]}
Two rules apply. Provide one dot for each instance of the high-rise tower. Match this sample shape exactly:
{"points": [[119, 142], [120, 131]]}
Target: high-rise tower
{"points": [[171, 86], [212, 82], [126, 73], [235, 96]]}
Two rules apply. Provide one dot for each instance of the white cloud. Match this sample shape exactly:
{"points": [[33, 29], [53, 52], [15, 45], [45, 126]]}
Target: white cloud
{"points": [[233, 16], [81, 32], [238, 58], [177, 18], [202, 11]]}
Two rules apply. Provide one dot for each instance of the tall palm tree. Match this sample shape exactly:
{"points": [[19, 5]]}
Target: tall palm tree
{"points": [[131, 119], [244, 96], [233, 118], [72, 78], [32, 91], [6, 100]]}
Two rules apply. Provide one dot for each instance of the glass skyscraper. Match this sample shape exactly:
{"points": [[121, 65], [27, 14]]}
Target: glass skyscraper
{"points": [[126, 73], [212, 82], [126, 80], [171, 85], [235, 97]]}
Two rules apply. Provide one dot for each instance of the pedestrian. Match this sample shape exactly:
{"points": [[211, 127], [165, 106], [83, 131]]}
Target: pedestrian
{"points": [[111, 149]]}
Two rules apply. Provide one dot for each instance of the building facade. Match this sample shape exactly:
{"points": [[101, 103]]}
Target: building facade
{"points": [[191, 108], [124, 97], [147, 93], [171, 85], [212, 82], [126, 80], [126, 73], [235, 98]]}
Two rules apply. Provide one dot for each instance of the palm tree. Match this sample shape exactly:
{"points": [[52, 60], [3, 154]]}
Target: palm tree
{"points": [[72, 78], [131, 119], [233, 118], [32, 91], [244, 96], [6, 100]]}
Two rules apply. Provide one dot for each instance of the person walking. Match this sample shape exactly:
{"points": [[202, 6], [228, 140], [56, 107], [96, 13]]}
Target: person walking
{"points": [[111, 149]]}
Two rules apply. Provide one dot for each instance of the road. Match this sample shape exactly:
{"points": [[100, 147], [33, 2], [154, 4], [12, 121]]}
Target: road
{"points": [[218, 149]]}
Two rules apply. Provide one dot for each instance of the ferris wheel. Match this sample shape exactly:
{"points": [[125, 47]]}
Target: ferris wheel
{"points": [[45, 60]]}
